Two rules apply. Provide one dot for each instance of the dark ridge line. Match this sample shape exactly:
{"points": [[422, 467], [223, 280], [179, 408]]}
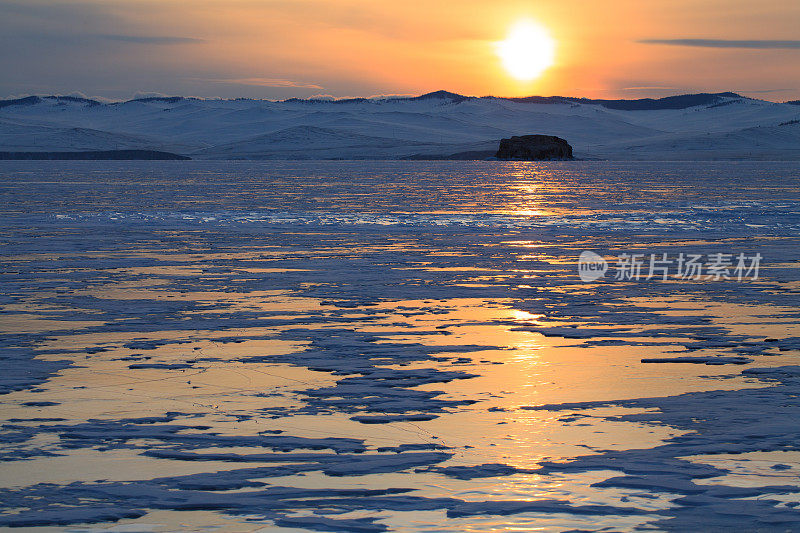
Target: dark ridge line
{"points": [[28, 100], [94, 155], [165, 99], [33, 100], [682, 101]]}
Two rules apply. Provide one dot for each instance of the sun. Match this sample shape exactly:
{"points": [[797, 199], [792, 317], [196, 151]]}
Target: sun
{"points": [[527, 51]]}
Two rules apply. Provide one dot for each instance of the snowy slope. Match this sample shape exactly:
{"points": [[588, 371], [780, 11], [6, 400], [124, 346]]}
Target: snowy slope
{"points": [[717, 126], [780, 142]]}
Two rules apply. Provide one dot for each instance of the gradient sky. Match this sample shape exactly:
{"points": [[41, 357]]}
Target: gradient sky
{"points": [[283, 48]]}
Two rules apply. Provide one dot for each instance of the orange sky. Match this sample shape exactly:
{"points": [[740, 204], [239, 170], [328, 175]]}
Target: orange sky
{"points": [[284, 48]]}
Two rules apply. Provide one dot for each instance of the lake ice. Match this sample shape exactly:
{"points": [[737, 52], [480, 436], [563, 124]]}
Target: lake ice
{"points": [[401, 346]]}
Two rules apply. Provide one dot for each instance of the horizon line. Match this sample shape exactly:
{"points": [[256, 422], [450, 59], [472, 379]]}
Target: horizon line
{"points": [[441, 93]]}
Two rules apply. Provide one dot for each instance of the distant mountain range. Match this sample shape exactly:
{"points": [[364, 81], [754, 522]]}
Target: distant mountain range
{"points": [[438, 125]]}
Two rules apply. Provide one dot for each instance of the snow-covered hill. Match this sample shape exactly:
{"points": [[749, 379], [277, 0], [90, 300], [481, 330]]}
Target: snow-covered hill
{"points": [[440, 124]]}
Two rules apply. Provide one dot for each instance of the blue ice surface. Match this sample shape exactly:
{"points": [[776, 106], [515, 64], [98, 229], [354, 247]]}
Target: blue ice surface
{"points": [[351, 234]]}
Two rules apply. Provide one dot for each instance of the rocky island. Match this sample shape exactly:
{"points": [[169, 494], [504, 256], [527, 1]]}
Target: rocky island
{"points": [[534, 148]]}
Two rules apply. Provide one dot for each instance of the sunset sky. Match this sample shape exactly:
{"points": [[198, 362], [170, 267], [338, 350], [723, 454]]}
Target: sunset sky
{"points": [[284, 48]]}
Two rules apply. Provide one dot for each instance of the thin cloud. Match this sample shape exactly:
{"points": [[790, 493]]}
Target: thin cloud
{"points": [[649, 88], [765, 90], [324, 97], [143, 39], [389, 96], [762, 44], [264, 82]]}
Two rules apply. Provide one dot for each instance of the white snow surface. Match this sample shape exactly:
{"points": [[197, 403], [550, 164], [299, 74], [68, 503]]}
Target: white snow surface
{"points": [[437, 126]]}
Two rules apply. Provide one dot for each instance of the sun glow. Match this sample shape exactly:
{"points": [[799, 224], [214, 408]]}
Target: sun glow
{"points": [[527, 51]]}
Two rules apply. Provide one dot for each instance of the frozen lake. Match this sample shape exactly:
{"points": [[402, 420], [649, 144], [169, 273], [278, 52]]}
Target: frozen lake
{"points": [[401, 346]]}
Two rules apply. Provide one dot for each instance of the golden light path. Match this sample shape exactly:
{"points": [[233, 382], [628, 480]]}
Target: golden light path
{"points": [[527, 51]]}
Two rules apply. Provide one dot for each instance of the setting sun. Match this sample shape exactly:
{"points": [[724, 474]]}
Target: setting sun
{"points": [[527, 51]]}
